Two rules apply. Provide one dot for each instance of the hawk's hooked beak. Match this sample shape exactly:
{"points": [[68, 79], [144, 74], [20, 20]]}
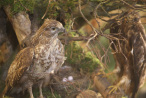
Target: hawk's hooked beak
{"points": [[63, 30]]}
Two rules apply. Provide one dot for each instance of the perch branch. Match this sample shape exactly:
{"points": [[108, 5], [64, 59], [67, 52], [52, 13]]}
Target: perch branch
{"points": [[82, 38], [101, 84], [20, 22]]}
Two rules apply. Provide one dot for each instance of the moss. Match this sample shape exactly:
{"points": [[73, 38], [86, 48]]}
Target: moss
{"points": [[60, 10], [23, 5], [19, 5], [80, 59], [6, 2], [46, 93]]}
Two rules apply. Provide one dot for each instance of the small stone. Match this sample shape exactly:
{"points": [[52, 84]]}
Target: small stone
{"points": [[89, 94]]}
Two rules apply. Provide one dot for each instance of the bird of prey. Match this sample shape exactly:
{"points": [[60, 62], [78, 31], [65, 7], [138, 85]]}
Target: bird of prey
{"points": [[129, 52], [35, 63]]}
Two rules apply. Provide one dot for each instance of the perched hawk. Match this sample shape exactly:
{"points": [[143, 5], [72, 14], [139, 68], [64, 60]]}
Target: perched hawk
{"points": [[130, 52], [35, 63]]}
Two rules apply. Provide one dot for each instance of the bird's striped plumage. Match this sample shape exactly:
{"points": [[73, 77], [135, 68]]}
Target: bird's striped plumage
{"points": [[43, 56]]}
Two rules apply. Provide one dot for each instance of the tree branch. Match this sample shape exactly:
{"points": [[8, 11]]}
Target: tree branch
{"points": [[102, 84], [68, 39], [20, 22]]}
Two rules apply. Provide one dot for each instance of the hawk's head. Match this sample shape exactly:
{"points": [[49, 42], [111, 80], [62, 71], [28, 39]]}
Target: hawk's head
{"points": [[50, 28]]}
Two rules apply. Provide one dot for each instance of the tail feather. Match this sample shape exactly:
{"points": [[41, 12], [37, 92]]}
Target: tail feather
{"points": [[137, 82], [4, 92]]}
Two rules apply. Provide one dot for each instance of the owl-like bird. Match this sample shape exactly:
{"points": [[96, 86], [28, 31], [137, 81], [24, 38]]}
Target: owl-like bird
{"points": [[35, 63], [129, 52]]}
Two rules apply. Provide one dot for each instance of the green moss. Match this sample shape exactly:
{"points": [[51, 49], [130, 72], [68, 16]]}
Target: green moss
{"points": [[19, 5], [6, 2], [46, 93], [63, 8], [60, 9], [23, 5], [80, 59]]}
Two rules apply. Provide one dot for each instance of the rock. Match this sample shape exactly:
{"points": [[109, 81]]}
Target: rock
{"points": [[89, 94]]}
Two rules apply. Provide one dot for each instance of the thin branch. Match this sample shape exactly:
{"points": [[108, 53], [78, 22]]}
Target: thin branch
{"points": [[46, 9], [127, 4], [106, 53], [95, 14], [82, 38], [94, 30]]}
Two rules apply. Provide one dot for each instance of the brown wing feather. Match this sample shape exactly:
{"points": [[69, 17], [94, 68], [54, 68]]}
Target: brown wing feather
{"points": [[22, 61], [139, 55]]}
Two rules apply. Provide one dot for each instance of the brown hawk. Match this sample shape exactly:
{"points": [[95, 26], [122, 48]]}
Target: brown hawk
{"points": [[129, 52], [35, 63]]}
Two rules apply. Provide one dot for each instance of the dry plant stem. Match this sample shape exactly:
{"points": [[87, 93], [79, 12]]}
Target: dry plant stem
{"points": [[106, 53], [96, 50], [95, 14], [105, 12], [127, 4], [46, 9], [94, 30]]}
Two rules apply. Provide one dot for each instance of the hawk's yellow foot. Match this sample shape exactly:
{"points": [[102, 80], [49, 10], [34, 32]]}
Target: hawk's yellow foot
{"points": [[114, 88]]}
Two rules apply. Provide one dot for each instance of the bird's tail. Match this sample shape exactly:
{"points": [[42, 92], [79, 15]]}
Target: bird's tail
{"points": [[136, 87], [136, 83], [4, 92]]}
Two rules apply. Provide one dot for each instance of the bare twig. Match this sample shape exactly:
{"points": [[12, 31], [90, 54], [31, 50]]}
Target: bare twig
{"points": [[106, 53], [127, 4], [94, 30], [95, 14], [46, 9]]}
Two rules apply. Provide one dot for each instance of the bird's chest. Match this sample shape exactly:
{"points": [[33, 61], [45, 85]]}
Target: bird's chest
{"points": [[46, 57]]}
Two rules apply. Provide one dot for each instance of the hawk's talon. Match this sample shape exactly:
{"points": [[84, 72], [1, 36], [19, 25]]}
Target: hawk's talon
{"points": [[114, 88]]}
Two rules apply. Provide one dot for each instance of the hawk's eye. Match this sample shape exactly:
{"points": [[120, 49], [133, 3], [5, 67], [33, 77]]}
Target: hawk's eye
{"points": [[53, 28]]}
